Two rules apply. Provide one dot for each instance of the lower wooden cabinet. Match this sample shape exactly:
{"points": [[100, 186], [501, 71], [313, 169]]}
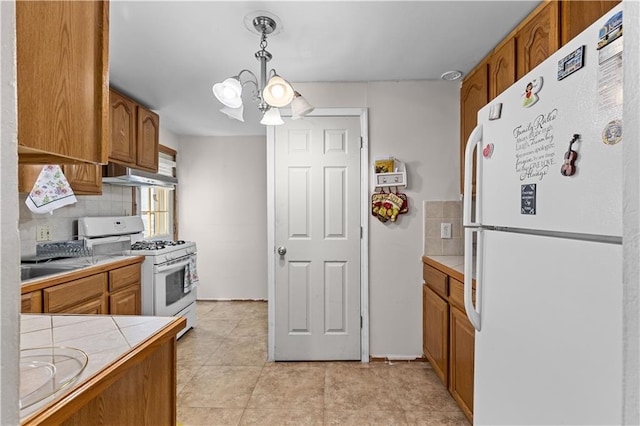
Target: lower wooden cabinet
{"points": [[448, 338], [126, 301], [436, 332], [31, 303], [81, 296], [462, 340], [112, 291]]}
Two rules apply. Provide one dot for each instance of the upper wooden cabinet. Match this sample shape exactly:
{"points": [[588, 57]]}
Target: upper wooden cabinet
{"points": [[549, 26], [84, 179], [122, 118], [134, 133], [147, 144], [473, 96], [578, 15], [502, 68], [62, 78], [538, 38]]}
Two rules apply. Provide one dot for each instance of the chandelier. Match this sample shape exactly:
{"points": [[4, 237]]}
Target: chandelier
{"points": [[269, 94]]}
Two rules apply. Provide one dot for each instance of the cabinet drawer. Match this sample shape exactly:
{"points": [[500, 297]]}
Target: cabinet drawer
{"points": [[124, 277], [435, 279], [456, 293], [58, 297]]}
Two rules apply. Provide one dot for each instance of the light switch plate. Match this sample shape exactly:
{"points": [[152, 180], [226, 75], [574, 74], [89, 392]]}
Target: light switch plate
{"points": [[445, 230], [43, 233]]}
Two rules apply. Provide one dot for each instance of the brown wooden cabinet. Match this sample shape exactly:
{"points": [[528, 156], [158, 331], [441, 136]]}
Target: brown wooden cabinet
{"points": [[502, 68], [114, 290], [81, 296], [448, 336], [31, 303], [147, 139], [578, 15], [125, 291], [435, 330], [122, 118], [538, 38], [134, 133], [62, 81], [474, 94], [84, 179], [461, 349]]}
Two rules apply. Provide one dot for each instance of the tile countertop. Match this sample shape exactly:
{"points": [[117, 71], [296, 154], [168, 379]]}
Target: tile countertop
{"points": [[86, 266], [452, 265], [104, 338]]}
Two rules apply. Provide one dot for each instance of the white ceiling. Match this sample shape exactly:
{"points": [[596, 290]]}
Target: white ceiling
{"points": [[167, 54]]}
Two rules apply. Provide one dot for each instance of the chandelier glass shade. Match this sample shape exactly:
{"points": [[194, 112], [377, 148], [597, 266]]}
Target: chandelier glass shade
{"points": [[269, 94]]}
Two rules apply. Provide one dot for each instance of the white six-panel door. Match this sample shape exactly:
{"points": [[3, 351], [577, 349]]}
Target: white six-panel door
{"points": [[317, 223]]}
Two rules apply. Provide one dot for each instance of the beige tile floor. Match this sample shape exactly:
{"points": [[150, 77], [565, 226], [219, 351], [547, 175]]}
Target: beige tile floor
{"points": [[224, 379]]}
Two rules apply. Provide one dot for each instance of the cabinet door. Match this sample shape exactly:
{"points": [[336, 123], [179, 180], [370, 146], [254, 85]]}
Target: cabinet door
{"points": [[502, 68], [148, 132], [578, 15], [461, 361], [473, 96], [89, 307], [73, 295], [122, 116], [31, 303], [126, 301], [538, 38], [124, 277], [84, 179], [62, 66], [435, 331]]}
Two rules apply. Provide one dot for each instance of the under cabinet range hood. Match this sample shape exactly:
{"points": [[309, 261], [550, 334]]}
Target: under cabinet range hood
{"points": [[116, 174]]}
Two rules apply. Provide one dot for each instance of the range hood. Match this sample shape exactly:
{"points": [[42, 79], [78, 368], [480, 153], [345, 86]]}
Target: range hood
{"points": [[116, 174]]}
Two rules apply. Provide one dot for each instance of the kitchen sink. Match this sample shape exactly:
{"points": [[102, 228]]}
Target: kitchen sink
{"points": [[29, 272]]}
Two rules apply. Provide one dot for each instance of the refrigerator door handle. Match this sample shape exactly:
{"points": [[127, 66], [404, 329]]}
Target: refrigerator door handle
{"points": [[473, 312], [475, 138]]}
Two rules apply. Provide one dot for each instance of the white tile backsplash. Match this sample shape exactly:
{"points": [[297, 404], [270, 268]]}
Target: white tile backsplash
{"points": [[114, 201], [435, 213]]}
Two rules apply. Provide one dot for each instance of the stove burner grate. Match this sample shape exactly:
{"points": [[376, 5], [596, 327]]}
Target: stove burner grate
{"points": [[155, 244]]}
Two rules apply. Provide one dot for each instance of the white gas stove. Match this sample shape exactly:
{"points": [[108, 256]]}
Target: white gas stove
{"points": [[169, 274]]}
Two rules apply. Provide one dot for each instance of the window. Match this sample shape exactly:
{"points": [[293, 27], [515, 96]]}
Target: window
{"points": [[156, 211], [158, 205]]}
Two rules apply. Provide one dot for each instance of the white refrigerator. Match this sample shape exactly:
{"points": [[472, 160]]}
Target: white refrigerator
{"points": [[543, 239]]}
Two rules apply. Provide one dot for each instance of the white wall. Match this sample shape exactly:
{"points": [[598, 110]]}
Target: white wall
{"points": [[168, 138], [9, 255], [417, 122], [222, 206]]}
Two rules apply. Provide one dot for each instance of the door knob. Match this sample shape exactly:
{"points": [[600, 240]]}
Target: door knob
{"points": [[282, 250]]}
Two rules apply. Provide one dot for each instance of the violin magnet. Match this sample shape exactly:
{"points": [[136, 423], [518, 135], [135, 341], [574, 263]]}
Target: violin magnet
{"points": [[487, 152]]}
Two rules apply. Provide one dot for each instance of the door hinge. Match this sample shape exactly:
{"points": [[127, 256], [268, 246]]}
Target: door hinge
{"points": [[361, 232], [360, 321], [361, 142]]}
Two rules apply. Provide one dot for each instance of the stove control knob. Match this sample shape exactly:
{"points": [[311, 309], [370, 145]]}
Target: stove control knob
{"points": [[282, 250]]}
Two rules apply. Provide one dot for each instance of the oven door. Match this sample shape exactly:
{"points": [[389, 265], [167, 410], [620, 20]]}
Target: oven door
{"points": [[171, 293]]}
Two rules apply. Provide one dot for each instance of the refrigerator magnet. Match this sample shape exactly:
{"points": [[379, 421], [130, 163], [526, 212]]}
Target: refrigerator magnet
{"points": [[487, 152], [571, 63], [530, 95], [495, 111], [612, 133], [528, 198]]}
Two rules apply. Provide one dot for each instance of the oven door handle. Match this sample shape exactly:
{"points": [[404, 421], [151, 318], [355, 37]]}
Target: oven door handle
{"points": [[169, 267]]}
